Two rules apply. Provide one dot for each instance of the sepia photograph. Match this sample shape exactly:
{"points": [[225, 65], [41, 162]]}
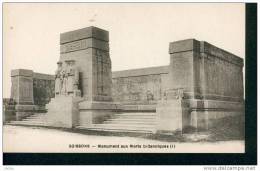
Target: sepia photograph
{"points": [[124, 77]]}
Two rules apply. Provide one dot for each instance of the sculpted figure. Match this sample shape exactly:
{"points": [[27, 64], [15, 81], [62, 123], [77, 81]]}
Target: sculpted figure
{"points": [[164, 95], [64, 78], [149, 95], [180, 94], [58, 79], [73, 77]]}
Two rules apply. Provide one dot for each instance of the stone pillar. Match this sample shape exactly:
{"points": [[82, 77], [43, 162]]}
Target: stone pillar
{"points": [[184, 71], [22, 92], [184, 74], [205, 85], [89, 49], [173, 115]]}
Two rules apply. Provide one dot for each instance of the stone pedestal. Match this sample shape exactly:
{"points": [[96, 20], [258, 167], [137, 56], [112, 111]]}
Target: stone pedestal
{"points": [[204, 114], [172, 115], [8, 110], [22, 92], [9, 113], [63, 111]]}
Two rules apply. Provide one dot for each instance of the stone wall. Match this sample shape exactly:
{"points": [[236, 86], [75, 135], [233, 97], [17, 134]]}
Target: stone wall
{"points": [[30, 88], [205, 85], [223, 74], [201, 69], [8, 109], [22, 86], [43, 88], [204, 71], [139, 86]]}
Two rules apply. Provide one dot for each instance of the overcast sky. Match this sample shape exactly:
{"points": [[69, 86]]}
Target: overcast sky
{"points": [[139, 33]]}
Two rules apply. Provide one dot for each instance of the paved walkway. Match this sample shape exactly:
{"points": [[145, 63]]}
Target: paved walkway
{"points": [[35, 139]]}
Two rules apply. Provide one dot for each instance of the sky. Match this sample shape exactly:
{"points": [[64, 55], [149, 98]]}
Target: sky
{"points": [[139, 33]]}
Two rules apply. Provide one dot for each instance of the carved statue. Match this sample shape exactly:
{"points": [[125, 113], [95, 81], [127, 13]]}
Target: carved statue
{"points": [[64, 78], [180, 94], [149, 95], [67, 79], [58, 79], [72, 78]]}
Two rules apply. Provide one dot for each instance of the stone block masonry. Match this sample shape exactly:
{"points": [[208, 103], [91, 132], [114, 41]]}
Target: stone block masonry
{"points": [[22, 92], [205, 71], [129, 87], [30, 92], [89, 47], [139, 86], [22, 86], [207, 79], [43, 89]]}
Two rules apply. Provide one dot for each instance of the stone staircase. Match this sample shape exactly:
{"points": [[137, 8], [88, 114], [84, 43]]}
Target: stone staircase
{"points": [[37, 119], [141, 122], [138, 122]]}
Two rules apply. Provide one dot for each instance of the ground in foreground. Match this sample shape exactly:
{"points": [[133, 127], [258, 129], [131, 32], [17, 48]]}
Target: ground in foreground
{"points": [[37, 139]]}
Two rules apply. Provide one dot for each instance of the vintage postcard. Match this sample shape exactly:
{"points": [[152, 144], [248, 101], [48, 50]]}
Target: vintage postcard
{"points": [[123, 78]]}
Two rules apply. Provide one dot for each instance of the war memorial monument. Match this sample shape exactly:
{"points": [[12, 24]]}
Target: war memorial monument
{"points": [[202, 85]]}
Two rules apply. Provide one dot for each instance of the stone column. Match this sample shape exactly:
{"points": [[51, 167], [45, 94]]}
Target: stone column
{"points": [[89, 49], [184, 83], [22, 92], [184, 69]]}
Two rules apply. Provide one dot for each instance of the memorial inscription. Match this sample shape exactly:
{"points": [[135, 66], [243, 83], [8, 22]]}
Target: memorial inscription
{"points": [[83, 44]]}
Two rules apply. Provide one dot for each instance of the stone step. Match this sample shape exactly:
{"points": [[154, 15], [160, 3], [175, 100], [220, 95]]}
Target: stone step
{"points": [[34, 115], [124, 126], [127, 122], [37, 115], [132, 117], [119, 119], [40, 113], [130, 122], [118, 129], [34, 119], [23, 121], [136, 114], [27, 123]]}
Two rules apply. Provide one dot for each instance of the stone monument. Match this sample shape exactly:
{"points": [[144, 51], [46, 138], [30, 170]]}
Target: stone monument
{"points": [[202, 85], [83, 79]]}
